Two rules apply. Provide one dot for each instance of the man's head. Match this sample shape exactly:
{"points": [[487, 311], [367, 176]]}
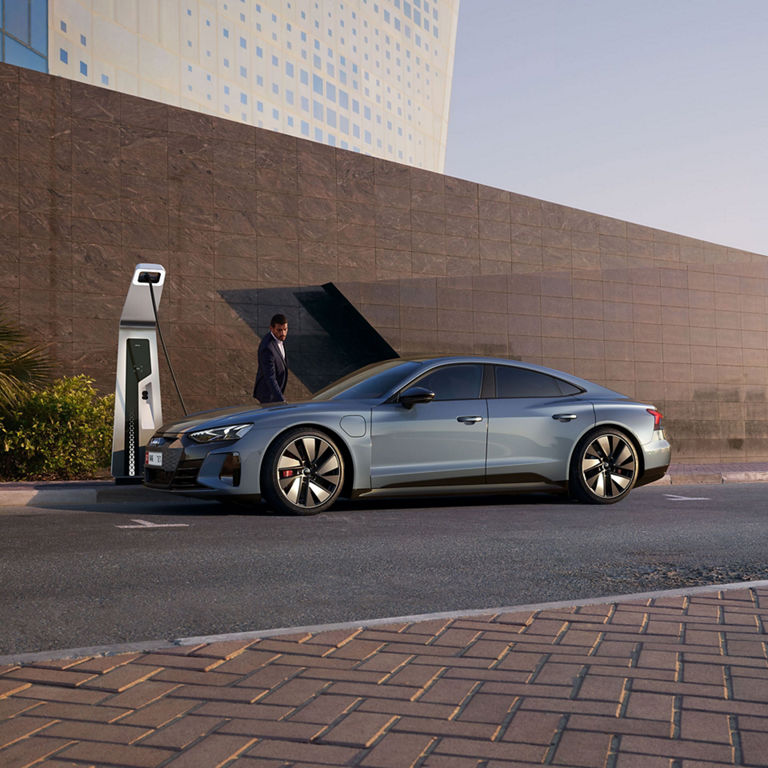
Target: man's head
{"points": [[279, 326]]}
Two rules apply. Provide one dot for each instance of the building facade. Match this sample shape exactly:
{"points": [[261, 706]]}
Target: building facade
{"points": [[357, 251], [371, 76]]}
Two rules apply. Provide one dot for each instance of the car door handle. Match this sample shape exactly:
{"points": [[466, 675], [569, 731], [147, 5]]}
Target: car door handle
{"points": [[564, 416], [469, 419]]}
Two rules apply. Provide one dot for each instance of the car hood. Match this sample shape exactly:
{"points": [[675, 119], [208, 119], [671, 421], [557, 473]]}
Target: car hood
{"points": [[248, 413]]}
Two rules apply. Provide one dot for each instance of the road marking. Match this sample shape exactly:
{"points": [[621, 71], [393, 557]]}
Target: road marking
{"points": [[147, 524], [675, 497]]}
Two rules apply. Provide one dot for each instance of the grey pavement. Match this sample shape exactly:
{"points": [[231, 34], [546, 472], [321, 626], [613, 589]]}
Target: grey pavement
{"points": [[674, 679]]}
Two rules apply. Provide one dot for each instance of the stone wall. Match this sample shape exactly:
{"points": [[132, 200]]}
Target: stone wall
{"points": [[248, 222]]}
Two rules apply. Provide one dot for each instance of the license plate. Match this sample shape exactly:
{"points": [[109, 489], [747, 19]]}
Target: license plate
{"points": [[154, 459]]}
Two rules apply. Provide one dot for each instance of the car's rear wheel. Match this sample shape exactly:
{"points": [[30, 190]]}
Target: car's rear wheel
{"points": [[604, 467], [303, 472]]}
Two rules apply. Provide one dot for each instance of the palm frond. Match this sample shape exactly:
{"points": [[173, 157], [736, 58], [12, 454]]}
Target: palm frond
{"points": [[21, 367]]}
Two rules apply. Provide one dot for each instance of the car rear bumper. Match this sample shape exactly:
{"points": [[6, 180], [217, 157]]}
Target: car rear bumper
{"points": [[657, 456]]}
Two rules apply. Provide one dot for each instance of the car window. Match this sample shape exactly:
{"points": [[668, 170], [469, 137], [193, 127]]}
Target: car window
{"points": [[454, 382], [512, 381], [370, 382]]}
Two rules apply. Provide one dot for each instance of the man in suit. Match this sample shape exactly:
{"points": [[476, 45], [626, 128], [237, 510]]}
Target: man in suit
{"points": [[272, 373]]}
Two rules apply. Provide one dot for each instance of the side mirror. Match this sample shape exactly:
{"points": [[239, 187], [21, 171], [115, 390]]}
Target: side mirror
{"points": [[414, 395]]}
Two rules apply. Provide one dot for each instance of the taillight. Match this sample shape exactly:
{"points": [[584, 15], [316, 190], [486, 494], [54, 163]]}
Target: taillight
{"points": [[657, 417]]}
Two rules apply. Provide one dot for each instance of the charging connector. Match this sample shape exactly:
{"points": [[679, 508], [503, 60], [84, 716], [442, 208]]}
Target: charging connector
{"points": [[150, 278]]}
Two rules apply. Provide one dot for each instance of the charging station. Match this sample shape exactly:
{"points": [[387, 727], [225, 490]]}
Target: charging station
{"points": [[138, 410]]}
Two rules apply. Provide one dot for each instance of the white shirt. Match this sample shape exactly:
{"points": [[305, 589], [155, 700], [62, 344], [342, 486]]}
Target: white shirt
{"points": [[279, 345]]}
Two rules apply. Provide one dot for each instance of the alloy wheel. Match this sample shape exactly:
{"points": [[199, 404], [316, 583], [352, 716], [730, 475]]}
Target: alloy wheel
{"points": [[308, 472], [608, 466]]}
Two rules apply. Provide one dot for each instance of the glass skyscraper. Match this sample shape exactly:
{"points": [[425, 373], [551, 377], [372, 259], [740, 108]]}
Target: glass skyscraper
{"points": [[373, 76]]}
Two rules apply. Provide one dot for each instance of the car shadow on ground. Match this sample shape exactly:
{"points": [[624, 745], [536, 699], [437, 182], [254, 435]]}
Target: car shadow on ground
{"points": [[177, 507]]}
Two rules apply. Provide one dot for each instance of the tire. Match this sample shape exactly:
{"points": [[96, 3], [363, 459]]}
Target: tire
{"points": [[302, 473], [604, 467]]}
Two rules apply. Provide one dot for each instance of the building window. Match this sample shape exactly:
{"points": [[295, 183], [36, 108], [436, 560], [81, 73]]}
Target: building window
{"points": [[82, 40], [104, 80], [63, 56], [83, 68]]}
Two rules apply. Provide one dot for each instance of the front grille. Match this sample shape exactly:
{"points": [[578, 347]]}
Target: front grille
{"points": [[185, 475]]}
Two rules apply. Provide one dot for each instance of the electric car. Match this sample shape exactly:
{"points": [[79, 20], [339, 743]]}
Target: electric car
{"points": [[444, 425]]}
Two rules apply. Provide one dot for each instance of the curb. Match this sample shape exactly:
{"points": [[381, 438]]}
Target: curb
{"points": [[147, 646], [96, 492], [714, 478]]}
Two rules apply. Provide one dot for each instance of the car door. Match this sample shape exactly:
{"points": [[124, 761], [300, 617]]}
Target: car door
{"points": [[533, 423], [441, 442]]}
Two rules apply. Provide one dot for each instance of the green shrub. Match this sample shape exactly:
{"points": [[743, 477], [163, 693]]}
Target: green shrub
{"points": [[63, 432]]}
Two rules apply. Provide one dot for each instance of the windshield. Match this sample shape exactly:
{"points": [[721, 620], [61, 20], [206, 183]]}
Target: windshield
{"points": [[372, 382]]}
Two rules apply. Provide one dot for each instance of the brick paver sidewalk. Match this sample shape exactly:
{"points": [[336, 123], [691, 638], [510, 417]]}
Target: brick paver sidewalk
{"points": [[672, 682]]}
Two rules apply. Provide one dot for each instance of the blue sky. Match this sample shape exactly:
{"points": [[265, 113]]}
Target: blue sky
{"points": [[653, 111]]}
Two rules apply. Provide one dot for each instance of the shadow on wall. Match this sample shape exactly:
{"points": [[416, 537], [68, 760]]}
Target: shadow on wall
{"points": [[328, 337]]}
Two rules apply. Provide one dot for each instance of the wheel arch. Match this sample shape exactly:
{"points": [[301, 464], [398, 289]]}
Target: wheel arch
{"points": [[619, 428], [349, 465]]}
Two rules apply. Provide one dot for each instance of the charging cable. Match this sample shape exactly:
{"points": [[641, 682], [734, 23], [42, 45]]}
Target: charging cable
{"points": [[150, 278]]}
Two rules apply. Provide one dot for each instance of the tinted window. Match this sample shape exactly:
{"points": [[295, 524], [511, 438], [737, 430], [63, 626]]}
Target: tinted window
{"points": [[454, 382], [520, 382], [373, 381]]}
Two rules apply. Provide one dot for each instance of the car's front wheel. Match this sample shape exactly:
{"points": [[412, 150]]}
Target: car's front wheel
{"points": [[604, 467], [303, 472]]}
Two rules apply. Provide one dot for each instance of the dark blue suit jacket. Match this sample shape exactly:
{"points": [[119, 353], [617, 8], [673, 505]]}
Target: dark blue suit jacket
{"points": [[272, 373]]}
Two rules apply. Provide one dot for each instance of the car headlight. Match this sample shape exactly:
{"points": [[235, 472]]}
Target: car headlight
{"points": [[214, 434]]}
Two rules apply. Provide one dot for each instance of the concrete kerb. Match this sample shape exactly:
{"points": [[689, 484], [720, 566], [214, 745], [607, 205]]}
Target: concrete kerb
{"points": [[50, 494], [158, 645]]}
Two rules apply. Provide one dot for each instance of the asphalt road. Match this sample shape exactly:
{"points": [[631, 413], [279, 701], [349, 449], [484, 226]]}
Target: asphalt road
{"points": [[74, 577]]}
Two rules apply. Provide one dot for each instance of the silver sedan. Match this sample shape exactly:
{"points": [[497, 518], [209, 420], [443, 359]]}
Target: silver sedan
{"points": [[409, 426]]}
